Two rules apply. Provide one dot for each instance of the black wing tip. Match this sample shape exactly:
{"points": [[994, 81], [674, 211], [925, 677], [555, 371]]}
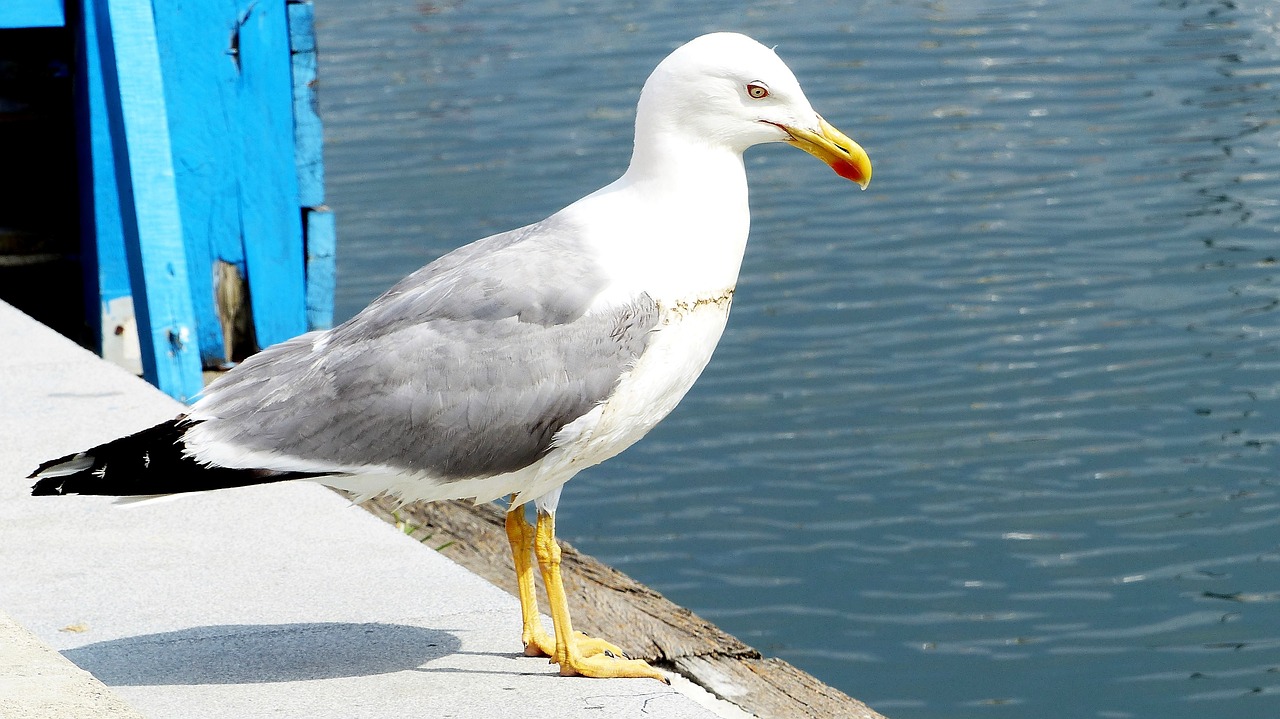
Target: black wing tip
{"points": [[149, 462], [48, 487]]}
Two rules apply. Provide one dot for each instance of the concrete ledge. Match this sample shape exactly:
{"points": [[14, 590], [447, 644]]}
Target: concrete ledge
{"points": [[39, 683], [281, 600]]}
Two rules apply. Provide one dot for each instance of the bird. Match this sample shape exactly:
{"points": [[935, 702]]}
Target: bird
{"points": [[508, 365]]}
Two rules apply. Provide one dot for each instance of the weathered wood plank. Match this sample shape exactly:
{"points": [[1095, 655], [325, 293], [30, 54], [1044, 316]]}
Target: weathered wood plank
{"points": [[138, 124], [609, 604], [227, 73], [771, 688], [272, 222], [199, 75], [227, 61]]}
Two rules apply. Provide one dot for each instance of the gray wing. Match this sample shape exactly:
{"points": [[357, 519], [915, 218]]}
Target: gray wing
{"points": [[467, 368], [537, 274]]}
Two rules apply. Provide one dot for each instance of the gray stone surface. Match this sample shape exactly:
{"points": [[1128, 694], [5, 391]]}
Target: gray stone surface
{"points": [[280, 600]]}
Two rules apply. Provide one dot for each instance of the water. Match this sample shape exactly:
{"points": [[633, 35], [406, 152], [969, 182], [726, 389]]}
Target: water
{"points": [[996, 437]]}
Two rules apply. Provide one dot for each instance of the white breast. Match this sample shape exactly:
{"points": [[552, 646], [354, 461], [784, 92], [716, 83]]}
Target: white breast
{"points": [[675, 357], [680, 349]]}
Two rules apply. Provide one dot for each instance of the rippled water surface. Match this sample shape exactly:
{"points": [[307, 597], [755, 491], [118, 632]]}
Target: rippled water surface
{"points": [[996, 437]]}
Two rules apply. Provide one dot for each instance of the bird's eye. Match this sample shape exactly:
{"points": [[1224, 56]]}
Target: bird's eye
{"points": [[757, 90]]}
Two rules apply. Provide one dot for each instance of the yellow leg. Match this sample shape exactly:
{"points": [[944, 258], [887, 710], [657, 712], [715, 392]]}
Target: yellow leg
{"points": [[569, 653], [537, 642], [520, 534]]}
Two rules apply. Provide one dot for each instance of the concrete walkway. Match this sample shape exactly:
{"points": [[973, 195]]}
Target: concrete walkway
{"points": [[281, 601]]}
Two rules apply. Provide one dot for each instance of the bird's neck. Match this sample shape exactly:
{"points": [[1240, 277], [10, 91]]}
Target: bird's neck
{"points": [[668, 166], [677, 221]]}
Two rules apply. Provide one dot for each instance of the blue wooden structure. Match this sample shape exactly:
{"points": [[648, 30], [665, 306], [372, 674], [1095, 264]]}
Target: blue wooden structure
{"points": [[32, 13], [204, 230]]}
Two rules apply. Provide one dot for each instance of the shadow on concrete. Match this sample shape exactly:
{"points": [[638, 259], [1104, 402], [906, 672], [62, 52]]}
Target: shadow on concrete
{"points": [[257, 653]]}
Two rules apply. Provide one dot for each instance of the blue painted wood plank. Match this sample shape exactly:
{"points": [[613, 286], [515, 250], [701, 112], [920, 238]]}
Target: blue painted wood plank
{"points": [[200, 74], [108, 293], [308, 133], [32, 13], [106, 270], [227, 78], [272, 222], [322, 243], [138, 123], [318, 224]]}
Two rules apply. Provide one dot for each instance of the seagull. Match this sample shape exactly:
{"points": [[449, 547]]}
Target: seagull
{"points": [[507, 366]]}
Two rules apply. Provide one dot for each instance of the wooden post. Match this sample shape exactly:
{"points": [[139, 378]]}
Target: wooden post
{"points": [[272, 220], [108, 295], [137, 124]]}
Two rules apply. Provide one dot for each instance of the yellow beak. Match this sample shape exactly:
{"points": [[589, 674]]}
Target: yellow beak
{"points": [[833, 147]]}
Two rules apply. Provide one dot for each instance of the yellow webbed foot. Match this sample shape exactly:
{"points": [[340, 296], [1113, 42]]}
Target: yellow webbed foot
{"points": [[606, 664], [576, 653]]}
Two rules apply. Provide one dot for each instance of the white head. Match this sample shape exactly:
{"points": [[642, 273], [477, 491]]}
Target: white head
{"points": [[729, 91]]}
